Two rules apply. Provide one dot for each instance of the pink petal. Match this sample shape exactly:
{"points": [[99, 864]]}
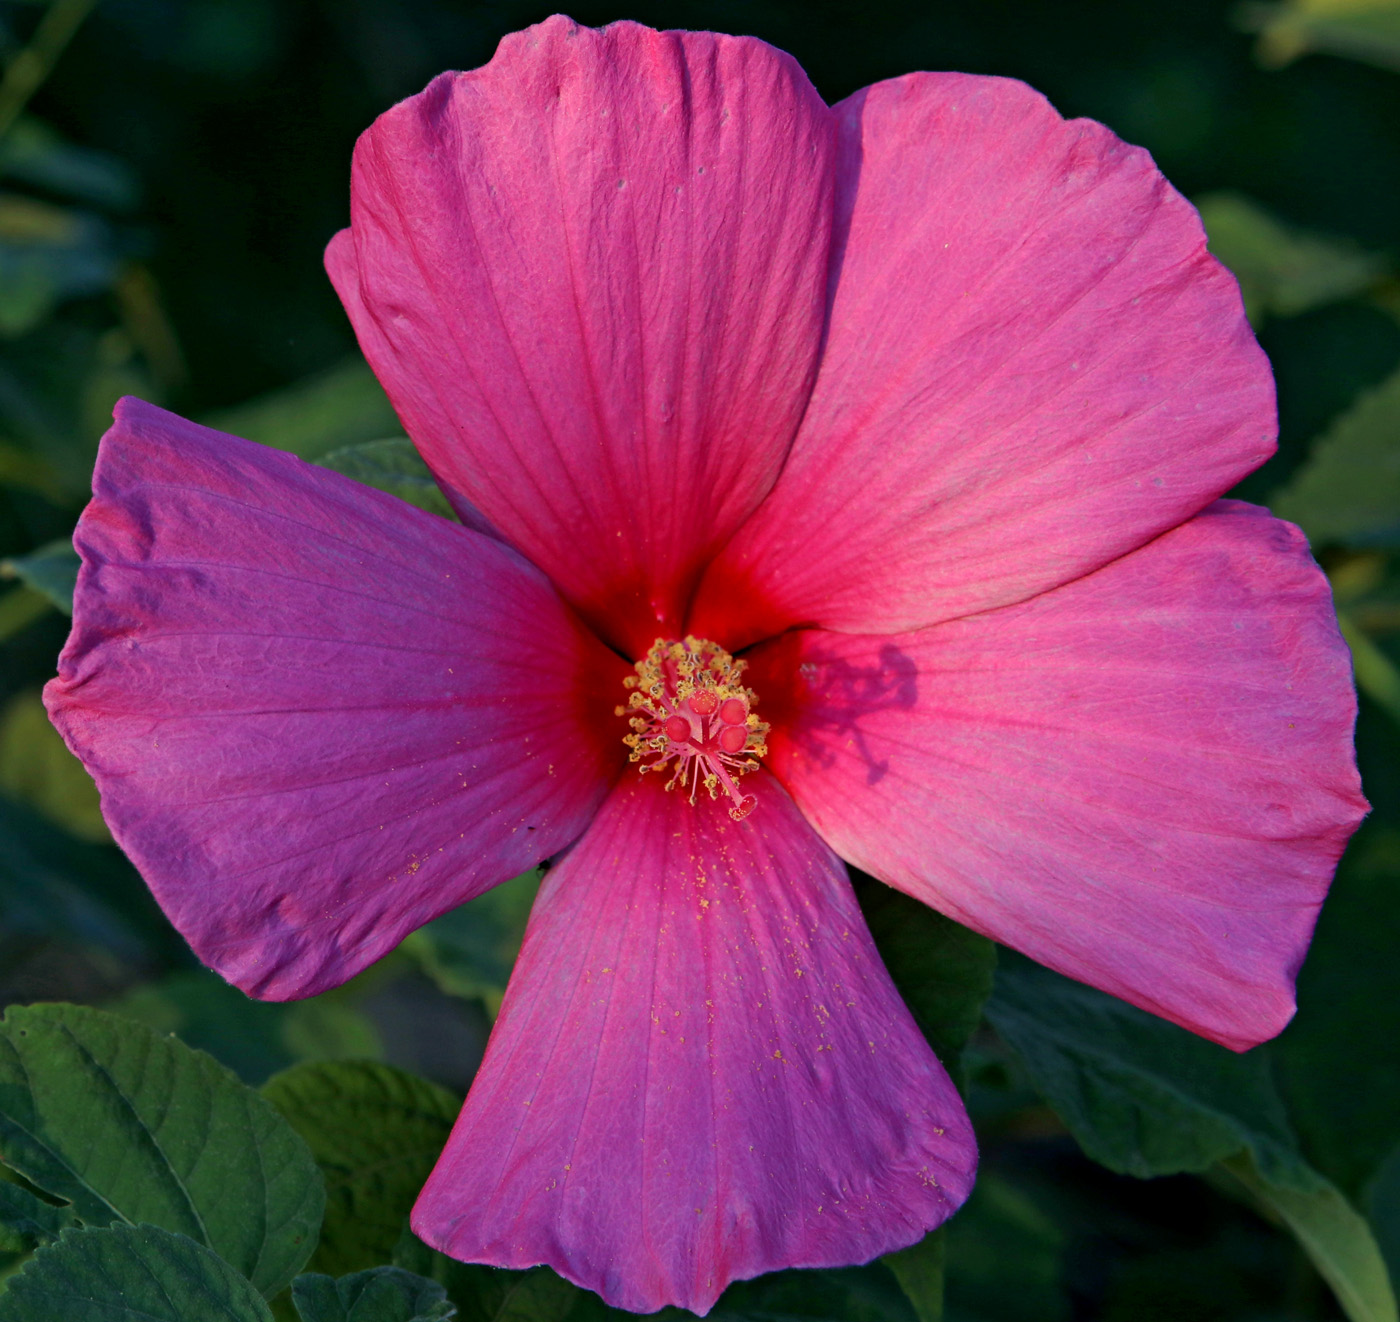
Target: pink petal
{"points": [[701, 1071], [1033, 366], [590, 276], [1143, 779], [318, 716]]}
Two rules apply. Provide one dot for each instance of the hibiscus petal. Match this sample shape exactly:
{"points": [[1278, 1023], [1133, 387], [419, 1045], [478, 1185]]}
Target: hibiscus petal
{"points": [[318, 716], [1143, 779], [590, 276], [701, 1070], [1033, 366]]}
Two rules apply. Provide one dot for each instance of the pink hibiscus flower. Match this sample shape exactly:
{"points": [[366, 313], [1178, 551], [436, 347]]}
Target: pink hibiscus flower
{"points": [[923, 402]]}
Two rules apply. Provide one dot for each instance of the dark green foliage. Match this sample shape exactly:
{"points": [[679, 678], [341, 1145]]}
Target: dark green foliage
{"points": [[943, 971], [381, 1294], [470, 950], [919, 1269], [1147, 1098], [489, 1294], [1341, 1090], [130, 1127], [26, 1220], [129, 1274], [1141, 1095], [1004, 1258], [164, 202], [376, 1132]]}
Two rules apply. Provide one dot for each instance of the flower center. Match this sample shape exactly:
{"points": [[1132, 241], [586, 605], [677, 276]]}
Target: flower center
{"points": [[689, 708]]}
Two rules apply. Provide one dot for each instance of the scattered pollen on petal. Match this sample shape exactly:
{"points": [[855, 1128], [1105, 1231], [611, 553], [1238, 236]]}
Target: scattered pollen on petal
{"points": [[690, 713]]}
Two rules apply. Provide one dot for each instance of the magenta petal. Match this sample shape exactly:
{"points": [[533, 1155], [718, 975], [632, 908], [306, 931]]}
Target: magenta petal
{"points": [[1033, 366], [318, 716], [701, 1070], [1143, 779], [590, 276]]}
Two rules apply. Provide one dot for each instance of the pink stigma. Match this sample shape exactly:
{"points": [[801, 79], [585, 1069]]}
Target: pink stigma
{"points": [[691, 713]]}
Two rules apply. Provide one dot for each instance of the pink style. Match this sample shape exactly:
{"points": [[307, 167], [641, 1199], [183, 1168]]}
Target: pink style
{"points": [[854, 474]]}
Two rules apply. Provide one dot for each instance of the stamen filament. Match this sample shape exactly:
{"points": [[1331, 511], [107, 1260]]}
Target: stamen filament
{"points": [[688, 707]]}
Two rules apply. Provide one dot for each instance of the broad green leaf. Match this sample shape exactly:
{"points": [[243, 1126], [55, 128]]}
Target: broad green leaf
{"points": [[48, 254], [128, 1126], [381, 1294], [1367, 30], [1282, 270], [343, 406], [471, 950], [36, 767], [129, 1274], [1335, 1236], [376, 1132], [1142, 1096], [394, 466], [919, 1271], [943, 970], [52, 570], [1348, 491], [28, 1218], [1145, 1098]]}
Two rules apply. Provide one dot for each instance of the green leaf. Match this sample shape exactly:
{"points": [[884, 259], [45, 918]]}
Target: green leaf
{"points": [[131, 1127], [471, 950], [493, 1294], [943, 970], [36, 766], [919, 1271], [343, 406], [1283, 270], [28, 1217], [129, 1274], [255, 1039], [381, 1294], [394, 466], [376, 1132], [1144, 1097], [1333, 1233], [1348, 491], [52, 570]]}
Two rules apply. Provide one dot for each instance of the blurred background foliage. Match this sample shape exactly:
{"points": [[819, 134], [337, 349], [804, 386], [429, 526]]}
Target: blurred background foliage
{"points": [[170, 171]]}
